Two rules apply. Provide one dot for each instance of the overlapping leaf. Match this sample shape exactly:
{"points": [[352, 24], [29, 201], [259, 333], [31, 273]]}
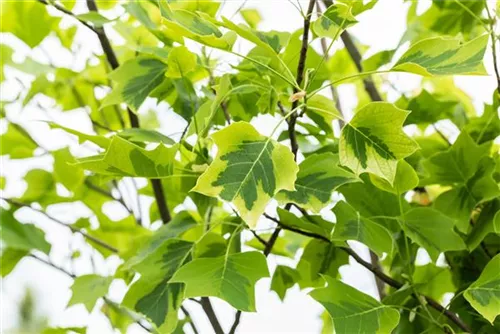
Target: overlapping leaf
{"points": [[319, 175], [484, 294], [123, 158], [136, 80], [351, 226], [354, 312], [337, 17], [432, 230]]}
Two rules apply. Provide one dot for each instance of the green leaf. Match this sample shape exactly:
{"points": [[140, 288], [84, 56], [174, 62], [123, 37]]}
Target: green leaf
{"points": [[374, 203], [427, 108], [322, 111], [231, 278], [432, 230], [9, 259], [136, 80], [87, 289], [458, 164], [354, 312], [19, 236], [433, 281], [137, 135], [484, 294], [283, 279], [314, 224], [248, 171], [337, 16], [459, 202], [17, 143], [319, 175], [444, 56], [351, 226], [70, 176], [486, 127], [124, 158], [406, 179], [95, 18], [251, 16], [195, 26], [320, 258], [358, 7], [373, 141], [487, 222], [180, 62], [17, 18], [100, 141], [152, 295]]}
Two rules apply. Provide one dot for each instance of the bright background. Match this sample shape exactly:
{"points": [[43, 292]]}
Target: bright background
{"points": [[380, 29]]}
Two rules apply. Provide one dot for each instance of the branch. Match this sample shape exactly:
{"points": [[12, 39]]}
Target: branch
{"points": [[160, 198], [72, 228], [190, 319], [377, 272], [493, 46], [291, 130], [209, 310], [67, 12]]}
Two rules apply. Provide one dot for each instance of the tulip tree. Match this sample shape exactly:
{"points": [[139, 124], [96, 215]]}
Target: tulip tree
{"points": [[202, 206]]}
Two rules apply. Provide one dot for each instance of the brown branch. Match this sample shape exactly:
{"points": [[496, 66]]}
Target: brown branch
{"points": [[190, 319], [72, 228], [160, 198], [209, 310], [67, 12], [291, 129], [376, 271], [493, 47]]}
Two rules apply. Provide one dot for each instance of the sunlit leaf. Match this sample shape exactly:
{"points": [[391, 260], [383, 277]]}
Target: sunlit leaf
{"points": [[373, 141], [231, 278], [88, 289], [248, 171], [441, 56]]}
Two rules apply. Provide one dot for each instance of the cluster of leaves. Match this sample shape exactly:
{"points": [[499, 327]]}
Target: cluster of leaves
{"points": [[405, 186]]}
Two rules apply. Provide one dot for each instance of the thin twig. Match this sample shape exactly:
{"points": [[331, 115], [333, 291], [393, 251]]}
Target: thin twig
{"points": [[72, 228], [160, 197], [376, 271], [493, 46], [190, 319], [67, 12]]}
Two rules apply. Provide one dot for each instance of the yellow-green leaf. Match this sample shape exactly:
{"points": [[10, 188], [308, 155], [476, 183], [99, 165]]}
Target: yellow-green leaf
{"points": [[444, 56], [248, 171], [374, 141], [484, 294]]}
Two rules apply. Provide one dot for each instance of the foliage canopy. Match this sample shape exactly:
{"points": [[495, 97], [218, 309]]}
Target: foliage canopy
{"points": [[410, 174]]}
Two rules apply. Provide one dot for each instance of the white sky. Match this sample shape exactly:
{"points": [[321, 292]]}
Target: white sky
{"points": [[380, 28]]}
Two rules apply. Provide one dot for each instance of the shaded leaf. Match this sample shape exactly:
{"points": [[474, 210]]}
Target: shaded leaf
{"points": [[319, 175], [432, 230], [484, 294], [354, 312], [351, 226], [283, 279]]}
